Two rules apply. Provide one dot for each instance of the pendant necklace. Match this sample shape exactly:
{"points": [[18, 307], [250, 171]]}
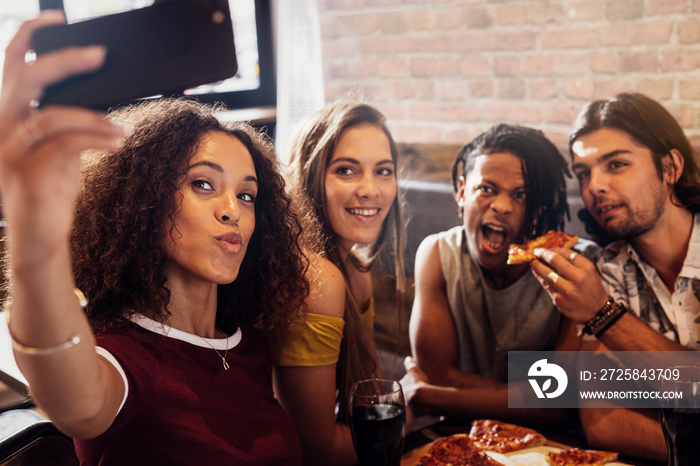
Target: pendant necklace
{"points": [[223, 358]]}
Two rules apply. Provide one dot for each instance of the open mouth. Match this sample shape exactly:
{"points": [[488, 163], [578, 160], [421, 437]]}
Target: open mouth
{"points": [[494, 237], [364, 212], [606, 210]]}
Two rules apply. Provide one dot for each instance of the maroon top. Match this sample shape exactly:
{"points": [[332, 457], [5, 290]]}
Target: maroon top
{"points": [[182, 407]]}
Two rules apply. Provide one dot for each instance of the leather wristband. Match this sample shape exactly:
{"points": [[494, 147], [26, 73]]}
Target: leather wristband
{"points": [[620, 311], [609, 311]]}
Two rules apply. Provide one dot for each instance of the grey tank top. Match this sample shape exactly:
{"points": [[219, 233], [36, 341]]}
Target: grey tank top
{"points": [[489, 322]]}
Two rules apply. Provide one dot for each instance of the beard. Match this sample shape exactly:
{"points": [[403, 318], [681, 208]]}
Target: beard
{"points": [[640, 220]]}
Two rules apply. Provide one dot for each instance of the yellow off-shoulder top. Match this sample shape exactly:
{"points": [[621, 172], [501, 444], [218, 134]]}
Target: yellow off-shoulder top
{"points": [[316, 342]]}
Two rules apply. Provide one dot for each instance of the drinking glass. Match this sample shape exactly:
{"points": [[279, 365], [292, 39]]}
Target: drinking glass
{"points": [[378, 421], [680, 416]]}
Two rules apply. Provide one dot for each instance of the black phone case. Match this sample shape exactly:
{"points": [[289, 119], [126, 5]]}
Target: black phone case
{"points": [[162, 49]]}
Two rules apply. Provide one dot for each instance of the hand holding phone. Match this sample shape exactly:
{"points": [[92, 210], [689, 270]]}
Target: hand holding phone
{"points": [[162, 49]]}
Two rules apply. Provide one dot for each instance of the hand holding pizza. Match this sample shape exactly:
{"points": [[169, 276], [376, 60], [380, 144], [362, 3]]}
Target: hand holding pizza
{"points": [[571, 280]]}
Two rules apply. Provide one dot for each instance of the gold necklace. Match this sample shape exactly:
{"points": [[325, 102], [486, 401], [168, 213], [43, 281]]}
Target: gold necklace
{"points": [[223, 358]]}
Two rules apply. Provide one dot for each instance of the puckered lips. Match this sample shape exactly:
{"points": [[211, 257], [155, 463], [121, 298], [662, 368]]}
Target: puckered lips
{"points": [[231, 242], [494, 237], [364, 213]]}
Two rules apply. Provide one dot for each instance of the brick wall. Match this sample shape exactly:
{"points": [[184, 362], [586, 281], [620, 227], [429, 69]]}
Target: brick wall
{"points": [[445, 70]]}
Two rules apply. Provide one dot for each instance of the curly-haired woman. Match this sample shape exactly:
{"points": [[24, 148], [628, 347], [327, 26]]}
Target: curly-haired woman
{"points": [[179, 234]]}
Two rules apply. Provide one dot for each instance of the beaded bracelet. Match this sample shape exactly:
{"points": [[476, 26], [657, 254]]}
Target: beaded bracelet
{"points": [[616, 316], [604, 318], [73, 341]]}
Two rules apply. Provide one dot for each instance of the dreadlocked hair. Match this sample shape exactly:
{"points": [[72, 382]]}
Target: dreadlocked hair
{"points": [[544, 170]]}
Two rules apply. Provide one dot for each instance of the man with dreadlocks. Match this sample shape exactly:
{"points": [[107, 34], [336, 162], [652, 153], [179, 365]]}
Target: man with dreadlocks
{"points": [[470, 307]]}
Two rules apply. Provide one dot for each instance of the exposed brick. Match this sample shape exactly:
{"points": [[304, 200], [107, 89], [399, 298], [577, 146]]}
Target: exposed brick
{"points": [[480, 88], [624, 9], [449, 66], [510, 89], [504, 41], [571, 64], [422, 67], [546, 89], [568, 38], [367, 68], [585, 10], [460, 42], [423, 20], [581, 89], [696, 5], [412, 89], [682, 113], [512, 14], [506, 66], [415, 132], [444, 112], [665, 7], [358, 25], [453, 89], [659, 89], [397, 23], [537, 65], [460, 135], [657, 32], [617, 34], [561, 113], [449, 18], [607, 89], [392, 112], [476, 67], [546, 12], [477, 18], [680, 60], [689, 89], [603, 62], [392, 68], [510, 112], [689, 31], [631, 62]]}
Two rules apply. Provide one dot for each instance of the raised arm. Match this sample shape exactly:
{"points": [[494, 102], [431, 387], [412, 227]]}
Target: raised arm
{"points": [[308, 393], [39, 172], [579, 294]]}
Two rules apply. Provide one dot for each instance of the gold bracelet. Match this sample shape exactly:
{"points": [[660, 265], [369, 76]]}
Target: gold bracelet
{"points": [[73, 341]]}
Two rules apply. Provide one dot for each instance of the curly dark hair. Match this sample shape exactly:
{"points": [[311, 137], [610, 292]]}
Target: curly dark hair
{"points": [[128, 196], [651, 125], [544, 169]]}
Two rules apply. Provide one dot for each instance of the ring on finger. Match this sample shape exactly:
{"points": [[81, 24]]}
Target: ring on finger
{"points": [[572, 256], [553, 277], [30, 132]]}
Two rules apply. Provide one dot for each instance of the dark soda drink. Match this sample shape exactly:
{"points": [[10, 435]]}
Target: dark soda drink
{"points": [[378, 433], [682, 432]]}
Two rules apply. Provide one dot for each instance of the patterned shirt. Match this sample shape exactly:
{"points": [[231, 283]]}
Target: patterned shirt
{"points": [[630, 280]]}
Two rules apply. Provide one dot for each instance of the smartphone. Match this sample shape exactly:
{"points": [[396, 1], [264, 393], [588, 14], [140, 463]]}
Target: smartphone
{"points": [[162, 49]]}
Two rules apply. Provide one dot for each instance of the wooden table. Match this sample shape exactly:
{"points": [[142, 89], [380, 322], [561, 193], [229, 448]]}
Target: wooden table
{"points": [[417, 439]]}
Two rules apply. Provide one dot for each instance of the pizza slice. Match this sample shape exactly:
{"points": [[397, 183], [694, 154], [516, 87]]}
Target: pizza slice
{"points": [[524, 253], [503, 437], [577, 457], [456, 450]]}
